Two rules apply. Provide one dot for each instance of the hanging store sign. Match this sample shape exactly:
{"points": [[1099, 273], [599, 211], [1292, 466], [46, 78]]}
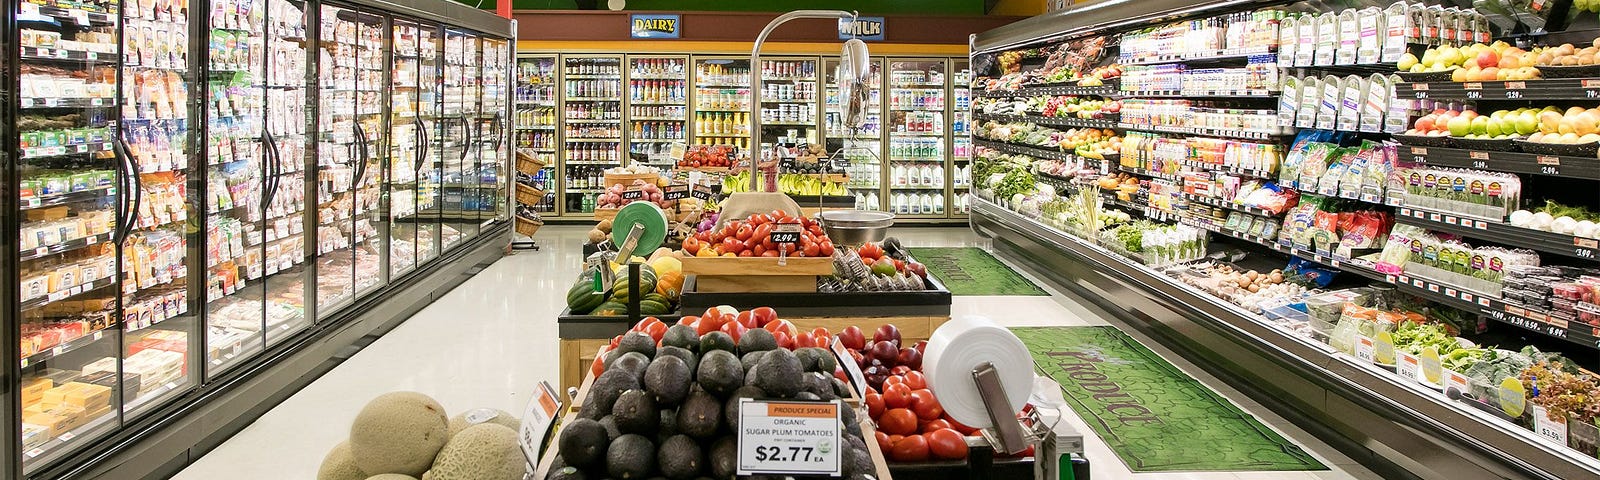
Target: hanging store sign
{"points": [[656, 26], [864, 28]]}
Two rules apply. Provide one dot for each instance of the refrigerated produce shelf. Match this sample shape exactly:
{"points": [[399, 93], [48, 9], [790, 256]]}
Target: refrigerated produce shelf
{"points": [[1051, 121], [1028, 150], [1206, 132], [1513, 162], [1549, 89], [65, 198], [1565, 245]]}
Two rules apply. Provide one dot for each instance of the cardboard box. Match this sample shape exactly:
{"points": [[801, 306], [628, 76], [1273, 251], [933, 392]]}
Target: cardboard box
{"points": [[33, 390], [83, 395]]}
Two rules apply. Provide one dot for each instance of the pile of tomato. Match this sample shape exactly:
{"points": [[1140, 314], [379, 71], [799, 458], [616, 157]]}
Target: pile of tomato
{"points": [[912, 426], [752, 237]]}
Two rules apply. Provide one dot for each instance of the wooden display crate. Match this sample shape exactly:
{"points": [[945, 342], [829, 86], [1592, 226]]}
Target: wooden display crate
{"points": [[626, 179], [605, 213], [753, 274]]}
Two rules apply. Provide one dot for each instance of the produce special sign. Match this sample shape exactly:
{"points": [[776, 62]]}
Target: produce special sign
{"points": [[864, 28], [656, 26]]}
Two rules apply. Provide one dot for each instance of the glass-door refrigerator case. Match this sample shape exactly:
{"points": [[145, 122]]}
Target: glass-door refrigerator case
{"points": [[353, 66], [789, 101], [413, 235], [960, 166], [492, 139], [254, 190], [918, 134], [535, 131], [592, 117], [658, 106], [863, 147], [74, 185], [722, 102]]}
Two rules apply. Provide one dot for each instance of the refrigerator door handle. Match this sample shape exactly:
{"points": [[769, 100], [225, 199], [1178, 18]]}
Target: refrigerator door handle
{"points": [[466, 130], [422, 146], [270, 185], [361, 160], [496, 126], [136, 190]]}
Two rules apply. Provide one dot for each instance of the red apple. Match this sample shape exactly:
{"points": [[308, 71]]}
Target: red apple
{"points": [[887, 332], [853, 338]]}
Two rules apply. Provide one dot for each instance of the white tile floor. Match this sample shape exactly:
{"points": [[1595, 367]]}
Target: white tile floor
{"points": [[490, 341]]}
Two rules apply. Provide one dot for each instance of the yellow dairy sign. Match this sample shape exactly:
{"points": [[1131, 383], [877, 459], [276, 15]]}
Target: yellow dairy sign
{"points": [[656, 26]]}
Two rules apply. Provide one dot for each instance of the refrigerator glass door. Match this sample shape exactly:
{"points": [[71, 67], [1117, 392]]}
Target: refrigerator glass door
{"points": [[862, 146], [76, 182], [494, 147], [352, 66], [536, 133], [658, 104], [288, 128], [430, 170], [159, 328], [405, 149], [917, 127], [459, 121], [959, 169]]}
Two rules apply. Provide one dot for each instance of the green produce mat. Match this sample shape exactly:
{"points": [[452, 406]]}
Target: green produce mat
{"points": [[972, 271], [1154, 416]]}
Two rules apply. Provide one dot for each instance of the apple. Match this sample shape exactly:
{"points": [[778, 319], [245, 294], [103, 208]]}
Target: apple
{"points": [[1425, 123], [1407, 61], [910, 357], [1526, 122], [1493, 127], [853, 338], [887, 332], [1460, 126], [1480, 125], [1488, 57], [885, 351]]}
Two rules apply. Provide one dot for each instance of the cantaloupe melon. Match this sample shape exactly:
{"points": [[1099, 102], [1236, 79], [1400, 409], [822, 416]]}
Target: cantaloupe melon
{"points": [[398, 432], [391, 476], [486, 451], [482, 415], [339, 465]]}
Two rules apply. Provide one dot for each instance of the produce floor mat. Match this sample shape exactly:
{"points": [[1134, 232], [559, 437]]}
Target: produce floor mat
{"points": [[972, 271], [1155, 417]]}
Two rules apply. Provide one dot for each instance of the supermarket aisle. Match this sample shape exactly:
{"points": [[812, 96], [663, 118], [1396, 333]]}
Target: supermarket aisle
{"points": [[488, 343]]}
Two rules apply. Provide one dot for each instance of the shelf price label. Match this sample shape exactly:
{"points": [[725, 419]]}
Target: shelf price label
{"points": [[786, 233], [789, 438], [1544, 426], [632, 194], [1366, 349], [537, 419], [677, 191]]}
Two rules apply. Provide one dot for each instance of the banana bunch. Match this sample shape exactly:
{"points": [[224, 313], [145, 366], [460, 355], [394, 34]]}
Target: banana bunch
{"points": [[788, 183]]}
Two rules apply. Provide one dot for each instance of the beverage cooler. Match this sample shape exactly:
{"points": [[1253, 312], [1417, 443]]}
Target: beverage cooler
{"points": [[861, 146], [201, 185]]}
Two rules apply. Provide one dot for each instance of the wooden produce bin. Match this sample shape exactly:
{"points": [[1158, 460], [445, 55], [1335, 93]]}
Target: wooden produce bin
{"points": [[753, 274], [626, 179], [916, 313], [605, 214], [585, 380]]}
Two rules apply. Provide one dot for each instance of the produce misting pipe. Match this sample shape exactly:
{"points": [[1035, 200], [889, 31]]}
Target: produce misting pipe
{"points": [[755, 80]]}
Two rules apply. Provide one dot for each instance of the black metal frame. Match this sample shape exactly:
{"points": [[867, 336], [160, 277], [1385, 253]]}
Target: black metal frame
{"points": [[399, 297]]}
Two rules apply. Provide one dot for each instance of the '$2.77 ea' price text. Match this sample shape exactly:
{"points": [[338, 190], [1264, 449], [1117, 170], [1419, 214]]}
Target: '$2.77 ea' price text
{"points": [[790, 454]]}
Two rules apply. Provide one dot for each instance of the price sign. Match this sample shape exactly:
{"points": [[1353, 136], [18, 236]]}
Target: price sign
{"points": [[786, 163], [632, 194], [702, 192], [1457, 381], [1384, 354], [851, 368], [536, 421], [789, 438], [786, 233], [1553, 429], [1432, 371], [675, 191], [1408, 366], [1366, 349]]}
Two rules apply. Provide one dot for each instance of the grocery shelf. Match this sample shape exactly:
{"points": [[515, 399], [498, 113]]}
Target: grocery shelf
{"points": [[1230, 169], [593, 120], [1027, 150], [1552, 89], [1410, 405], [1218, 202], [1171, 177], [31, 103], [66, 294], [45, 152], [64, 247], [1203, 56], [65, 198], [1051, 121], [62, 348], [1206, 93], [1512, 162], [32, 53], [1571, 246], [1051, 90], [1206, 132]]}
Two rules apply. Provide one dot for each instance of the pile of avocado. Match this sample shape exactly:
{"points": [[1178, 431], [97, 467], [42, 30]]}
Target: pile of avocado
{"points": [[670, 411]]}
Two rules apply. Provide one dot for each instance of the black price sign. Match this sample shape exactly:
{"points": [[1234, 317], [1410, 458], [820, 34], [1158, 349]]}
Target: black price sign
{"points": [[702, 192], [786, 233], [786, 163], [675, 192], [632, 194]]}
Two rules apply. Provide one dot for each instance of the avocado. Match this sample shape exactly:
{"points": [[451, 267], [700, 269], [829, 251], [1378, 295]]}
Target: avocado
{"points": [[780, 374], [668, 426], [631, 457], [730, 409], [817, 359], [851, 424], [854, 459], [668, 379], [565, 473], [689, 358], [681, 336], [610, 424], [638, 342], [636, 412], [749, 360], [750, 374], [841, 388], [724, 457], [700, 416], [717, 341], [807, 396], [679, 458], [583, 443], [604, 392], [757, 340], [632, 362], [720, 372], [819, 385]]}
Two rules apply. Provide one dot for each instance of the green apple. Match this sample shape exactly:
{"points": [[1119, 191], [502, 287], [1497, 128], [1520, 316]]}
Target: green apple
{"points": [[1460, 127], [1494, 129], [1407, 61], [1526, 122], [1480, 125]]}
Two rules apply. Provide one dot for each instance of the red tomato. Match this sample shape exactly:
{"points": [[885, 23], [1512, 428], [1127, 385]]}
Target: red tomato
{"points": [[898, 421], [732, 245], [913, 448], [896, 395], [826, 249], [883, 441], [811, 250], [598, 366], [710, 322], [894, 380], [691, 245], [781, 326], [915, 380], [948, 444], [898, 369], [965, 430], [733, 329], [689, 320], [744, 232], [804, 340], [853, 338], [751, 253], [764, 315], [870, 251], [874, 405], [759, 250], [657, 330], [935, 425], [747, 319], [926, 406], [820, 333]]}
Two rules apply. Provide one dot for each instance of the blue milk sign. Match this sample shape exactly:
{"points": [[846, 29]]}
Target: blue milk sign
{"points": [[864, 28], [656, 26]]}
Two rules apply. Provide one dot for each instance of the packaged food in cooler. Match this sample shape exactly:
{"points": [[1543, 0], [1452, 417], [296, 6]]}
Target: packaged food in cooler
{"points": [[34, 436], [33, 389], [77, 394], [56, 420]]}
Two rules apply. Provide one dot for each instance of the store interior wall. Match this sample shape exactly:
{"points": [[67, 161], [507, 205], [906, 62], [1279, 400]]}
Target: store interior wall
{"points": [[947, 7]]}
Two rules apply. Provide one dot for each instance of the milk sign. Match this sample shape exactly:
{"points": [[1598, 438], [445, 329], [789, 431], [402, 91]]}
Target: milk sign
{"points": [[864, 28], [656, 26]]}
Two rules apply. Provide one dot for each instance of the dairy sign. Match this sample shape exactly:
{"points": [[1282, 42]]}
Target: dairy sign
{"points": [[656, 26], [864, 28]]}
